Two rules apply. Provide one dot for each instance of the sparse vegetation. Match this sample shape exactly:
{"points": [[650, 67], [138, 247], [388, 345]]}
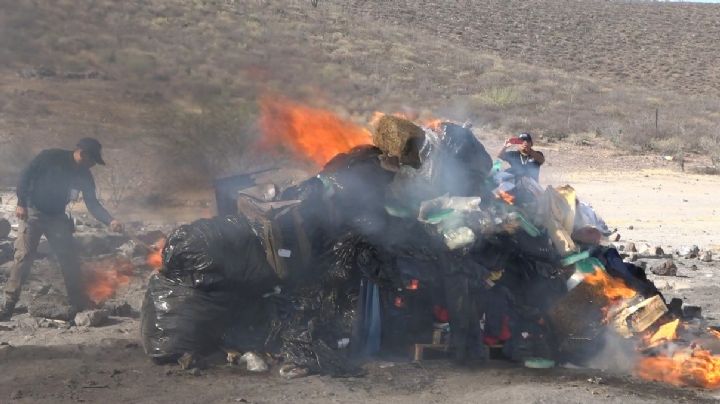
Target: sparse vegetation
{"points": [[180, 79], [711, 145], [499, 96], [119, 179]]}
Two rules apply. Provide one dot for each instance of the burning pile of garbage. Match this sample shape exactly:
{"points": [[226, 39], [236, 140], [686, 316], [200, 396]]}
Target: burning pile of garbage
{"points": [[418, 239]]}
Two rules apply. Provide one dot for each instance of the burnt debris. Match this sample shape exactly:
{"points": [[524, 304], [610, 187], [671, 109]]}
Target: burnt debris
{"points": [[389, 246]]}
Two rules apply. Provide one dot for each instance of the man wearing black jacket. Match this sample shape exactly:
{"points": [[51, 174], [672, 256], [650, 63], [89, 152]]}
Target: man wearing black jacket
{"points": [[44, 190]]}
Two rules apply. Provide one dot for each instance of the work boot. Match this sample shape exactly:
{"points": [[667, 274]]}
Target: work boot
{"points": [[7, 309]]}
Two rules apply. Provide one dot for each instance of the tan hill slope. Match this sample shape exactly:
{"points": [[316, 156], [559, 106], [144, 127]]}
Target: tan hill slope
{"points": [[171, 86]]}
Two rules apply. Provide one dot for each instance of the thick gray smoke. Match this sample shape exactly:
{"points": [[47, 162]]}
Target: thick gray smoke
{"points": [[618, 354]]}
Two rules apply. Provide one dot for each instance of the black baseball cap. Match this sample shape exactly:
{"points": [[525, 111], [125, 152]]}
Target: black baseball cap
{"points": [[93, 148], [525, 137]]}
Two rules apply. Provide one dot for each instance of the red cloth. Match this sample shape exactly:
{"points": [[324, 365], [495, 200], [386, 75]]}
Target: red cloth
{"points": [[505, 333], [441, 314]]}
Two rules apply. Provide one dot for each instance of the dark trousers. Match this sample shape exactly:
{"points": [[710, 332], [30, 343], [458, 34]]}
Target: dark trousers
{"points": [[58, 231], [464, 316]]}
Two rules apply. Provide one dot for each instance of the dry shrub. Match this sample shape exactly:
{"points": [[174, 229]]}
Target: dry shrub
{"points": [[582, 139], [123, 178], [670, 146], [711, 146], [15, 155], [210, 142], [136, 62]]}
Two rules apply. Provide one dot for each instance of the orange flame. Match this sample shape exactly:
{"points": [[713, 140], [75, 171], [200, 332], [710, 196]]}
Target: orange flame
{"points": [[666, 332], [103, 277], [613, 288], [434, 124], [154, 259], [506, 197], [316, 134], [687, 367]]}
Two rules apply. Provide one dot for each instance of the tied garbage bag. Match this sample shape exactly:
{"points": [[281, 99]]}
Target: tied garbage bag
{"points": [[557, 215], [217, 253], [448, 215], [314, 317], [254, 362], [459, 162], [461, 145], [177, 319], [459, 238], [585, 216], [353, 192]]}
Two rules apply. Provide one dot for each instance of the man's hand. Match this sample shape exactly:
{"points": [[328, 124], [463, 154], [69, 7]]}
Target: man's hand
{"points": [[21, 213], [508, 143], [116, 226]]}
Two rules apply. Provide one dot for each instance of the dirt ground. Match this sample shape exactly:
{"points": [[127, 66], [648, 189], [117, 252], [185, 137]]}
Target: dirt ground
{"points": [[665, 207], [122, 71]]}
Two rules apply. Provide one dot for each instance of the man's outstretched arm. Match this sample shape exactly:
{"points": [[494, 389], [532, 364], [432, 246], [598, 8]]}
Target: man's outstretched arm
{"points": [[96, 208]]}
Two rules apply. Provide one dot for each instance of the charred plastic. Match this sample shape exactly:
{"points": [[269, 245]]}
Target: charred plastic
{"points": [[417, 240]]}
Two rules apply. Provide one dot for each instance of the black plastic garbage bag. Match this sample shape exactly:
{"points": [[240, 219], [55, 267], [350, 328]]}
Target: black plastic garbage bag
{"points": [[178, 319], [217, 253], [302, 347], [464, 162], [356, 184], [315, 319]]}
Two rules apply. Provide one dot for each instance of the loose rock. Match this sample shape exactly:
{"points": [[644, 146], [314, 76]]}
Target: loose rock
{"points": [[5, 228], [98, 243], [644, 249], [131, 249], [187, 361], [692, 311], [688, 251], [290, 371], [49, 323], [91, 318], [16, 395], [254, 362], [119, 308], [659, 251], [667, 268], [6, 252], [630, 247], [706, 257], [52, 305]]}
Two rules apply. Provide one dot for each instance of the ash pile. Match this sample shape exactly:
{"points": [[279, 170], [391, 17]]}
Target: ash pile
{"points": [[419, 243]]}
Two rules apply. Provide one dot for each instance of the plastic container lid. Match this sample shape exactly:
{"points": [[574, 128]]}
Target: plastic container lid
{"points": [[539, 363]]}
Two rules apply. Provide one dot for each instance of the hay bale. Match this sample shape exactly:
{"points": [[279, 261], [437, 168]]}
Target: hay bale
{"points": [[400, 138]]}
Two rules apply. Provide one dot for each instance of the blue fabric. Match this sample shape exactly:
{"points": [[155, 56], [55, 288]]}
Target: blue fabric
{"points": [[521, 166], [371, 326]]}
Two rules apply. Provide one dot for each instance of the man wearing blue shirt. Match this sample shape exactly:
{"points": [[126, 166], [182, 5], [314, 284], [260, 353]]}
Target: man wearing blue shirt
{"points": [[525, 161], [44, 190]]}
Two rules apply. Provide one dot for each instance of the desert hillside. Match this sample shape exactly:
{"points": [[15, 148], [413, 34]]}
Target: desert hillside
{"points": [[171, 87]]}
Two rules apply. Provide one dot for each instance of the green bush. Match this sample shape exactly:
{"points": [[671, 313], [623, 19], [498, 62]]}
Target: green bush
{"points": [[500, 97]]}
